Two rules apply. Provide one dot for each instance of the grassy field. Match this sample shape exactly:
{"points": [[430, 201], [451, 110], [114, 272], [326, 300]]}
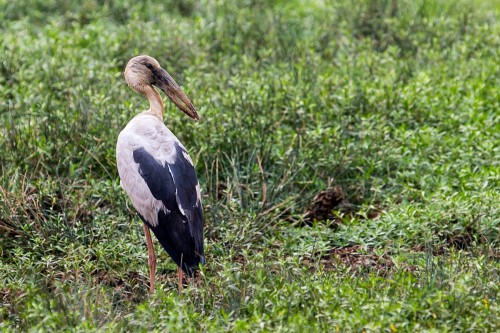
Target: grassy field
{"points": [[389, 110]]}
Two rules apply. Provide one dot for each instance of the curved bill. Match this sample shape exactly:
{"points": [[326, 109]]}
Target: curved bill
{"points": [[165, 82]]}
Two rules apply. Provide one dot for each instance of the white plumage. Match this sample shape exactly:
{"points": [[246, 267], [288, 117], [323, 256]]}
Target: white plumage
{"points": [[147, 131]]}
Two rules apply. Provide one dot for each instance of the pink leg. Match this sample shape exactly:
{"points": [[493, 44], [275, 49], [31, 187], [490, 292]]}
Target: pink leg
{"points": [[151, 260], [179, 277]]}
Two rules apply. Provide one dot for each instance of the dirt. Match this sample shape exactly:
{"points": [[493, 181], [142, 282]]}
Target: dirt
{"points": [[360, 258]]}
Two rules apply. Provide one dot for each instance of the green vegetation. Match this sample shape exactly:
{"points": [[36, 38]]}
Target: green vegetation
{"points": [[396, 103]]}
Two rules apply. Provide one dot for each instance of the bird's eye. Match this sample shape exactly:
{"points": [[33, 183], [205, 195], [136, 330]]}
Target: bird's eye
{"points": [[149, 66]]}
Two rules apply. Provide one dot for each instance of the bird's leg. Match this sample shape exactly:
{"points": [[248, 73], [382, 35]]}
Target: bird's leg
{"points": [[179, 277], [151, 260], [179, 282]]}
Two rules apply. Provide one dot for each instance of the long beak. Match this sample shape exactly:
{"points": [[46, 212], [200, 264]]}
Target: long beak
{"points": [[165, 82]]}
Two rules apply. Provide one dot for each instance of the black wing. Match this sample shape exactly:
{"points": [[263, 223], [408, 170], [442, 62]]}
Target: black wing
{"points": [[180, 226]]}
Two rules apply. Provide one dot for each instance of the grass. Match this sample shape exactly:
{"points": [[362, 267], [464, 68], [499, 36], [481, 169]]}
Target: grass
{"points": [[394, 102]]}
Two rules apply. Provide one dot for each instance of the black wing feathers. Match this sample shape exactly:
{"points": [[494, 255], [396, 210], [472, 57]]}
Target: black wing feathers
{"points": [[184, 178], [181, 235], [173, 235], [157, 177]]}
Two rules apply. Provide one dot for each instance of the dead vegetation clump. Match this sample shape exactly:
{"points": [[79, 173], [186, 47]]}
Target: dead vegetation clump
{"points": [[332, 203]]}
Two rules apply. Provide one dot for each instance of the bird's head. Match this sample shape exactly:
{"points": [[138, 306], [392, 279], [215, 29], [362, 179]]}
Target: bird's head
{"points": [[144, 71]]}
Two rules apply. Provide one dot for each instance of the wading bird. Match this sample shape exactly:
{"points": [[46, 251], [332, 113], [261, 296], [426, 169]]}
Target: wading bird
{"points": [[158, 174]]}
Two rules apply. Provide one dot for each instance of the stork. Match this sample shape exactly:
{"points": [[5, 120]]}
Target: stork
{"points": [[157, 173]]}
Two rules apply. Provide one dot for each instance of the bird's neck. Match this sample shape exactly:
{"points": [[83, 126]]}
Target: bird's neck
{"points": [[155, 102]]}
